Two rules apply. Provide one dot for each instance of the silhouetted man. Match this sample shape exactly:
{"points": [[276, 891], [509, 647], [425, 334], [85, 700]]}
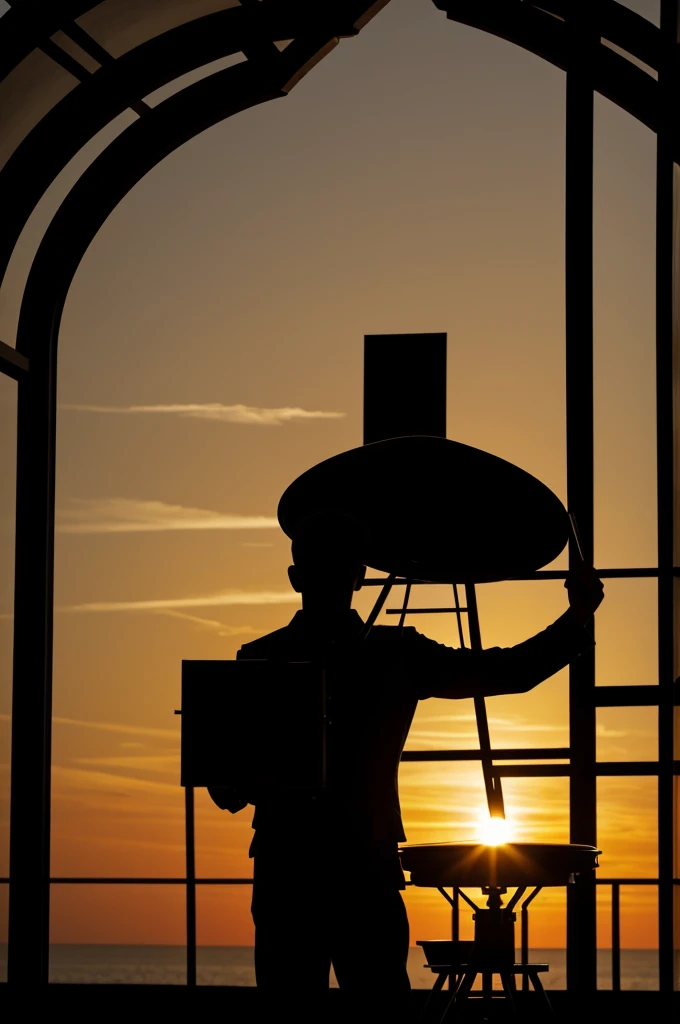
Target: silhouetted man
{"points": [[327, 876]]}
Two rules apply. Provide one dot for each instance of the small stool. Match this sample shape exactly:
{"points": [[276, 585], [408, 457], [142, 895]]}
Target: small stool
{"points": [[507, 974], [447, 959]]}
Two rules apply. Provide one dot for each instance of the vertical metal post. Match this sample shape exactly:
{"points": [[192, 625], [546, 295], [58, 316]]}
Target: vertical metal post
{"points": [[525, 945], [582, 40], [525, 934], [191, 883], [455, 929], [667, 368], [616, 937], [29, 850]]}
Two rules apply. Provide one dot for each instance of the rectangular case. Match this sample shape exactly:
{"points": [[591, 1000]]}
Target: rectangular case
{"points": [[253, 724]]}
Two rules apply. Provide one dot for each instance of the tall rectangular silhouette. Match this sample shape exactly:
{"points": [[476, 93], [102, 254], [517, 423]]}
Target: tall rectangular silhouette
{"points": [[404, 385]]}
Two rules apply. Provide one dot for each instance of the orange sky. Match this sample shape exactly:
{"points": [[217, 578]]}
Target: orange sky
{"points": [[413, 182]]}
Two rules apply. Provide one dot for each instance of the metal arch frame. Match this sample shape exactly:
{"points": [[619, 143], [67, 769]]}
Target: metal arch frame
{"points": [[105, 94], [102, 186], [542, 28], [97, 192], [93, 104]]}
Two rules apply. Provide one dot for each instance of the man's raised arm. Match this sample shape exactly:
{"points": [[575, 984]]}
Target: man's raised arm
{"points": [[439, 671]]}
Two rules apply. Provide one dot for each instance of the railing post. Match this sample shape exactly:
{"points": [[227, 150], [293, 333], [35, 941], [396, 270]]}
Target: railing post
{"points": [[616, 937], [191, 883], [525, 946], [668, 481], [583, 40]]}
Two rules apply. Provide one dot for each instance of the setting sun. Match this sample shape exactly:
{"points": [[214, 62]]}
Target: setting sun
{"points": [[493, 831]]}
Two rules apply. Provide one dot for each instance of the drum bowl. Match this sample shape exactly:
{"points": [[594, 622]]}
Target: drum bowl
{"points": [[446, 952], [511, 864]]}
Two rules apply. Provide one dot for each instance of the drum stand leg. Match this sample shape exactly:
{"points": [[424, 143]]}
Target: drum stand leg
{"points": [[440, 981], [460, 994], [508, 983], [538, 987], [487, 989]]}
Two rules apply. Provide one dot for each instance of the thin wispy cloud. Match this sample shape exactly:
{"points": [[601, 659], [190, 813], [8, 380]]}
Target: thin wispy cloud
{"points": [[221, 628], [227, 599], [116, 727], [128, 515], [250, 415], [162, 764]]}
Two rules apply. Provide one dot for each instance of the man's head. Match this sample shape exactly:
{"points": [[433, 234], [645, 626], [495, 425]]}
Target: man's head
{"points": [[328, 558]]}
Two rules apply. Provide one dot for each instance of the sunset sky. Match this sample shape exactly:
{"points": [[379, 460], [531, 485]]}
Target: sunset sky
{"points": [[211, 350]]}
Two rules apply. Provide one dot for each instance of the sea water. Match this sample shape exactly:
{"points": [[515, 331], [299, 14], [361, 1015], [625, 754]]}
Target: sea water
{"points": [[233, 965]]}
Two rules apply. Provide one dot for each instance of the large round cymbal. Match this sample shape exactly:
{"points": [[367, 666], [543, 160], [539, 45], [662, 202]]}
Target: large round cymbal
{"points": [[477, 865], [435, 510]]}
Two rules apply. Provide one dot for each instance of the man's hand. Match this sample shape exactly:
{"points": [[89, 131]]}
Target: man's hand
{"points": [[586, 591]]}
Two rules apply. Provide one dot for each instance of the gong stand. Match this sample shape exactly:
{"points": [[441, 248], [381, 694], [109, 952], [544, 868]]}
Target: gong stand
{"points": [[493, 950]]}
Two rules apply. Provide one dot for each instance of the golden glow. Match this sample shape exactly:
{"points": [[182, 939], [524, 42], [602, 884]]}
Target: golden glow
{"points": [[493, 831]]}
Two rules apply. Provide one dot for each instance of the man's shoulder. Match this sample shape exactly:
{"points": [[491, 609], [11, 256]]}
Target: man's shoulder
{"points": [[268, 646]]}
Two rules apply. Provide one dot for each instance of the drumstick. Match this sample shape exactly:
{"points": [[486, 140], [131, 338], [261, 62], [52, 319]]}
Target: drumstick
{"points": [[492, 782], [576, 535]]}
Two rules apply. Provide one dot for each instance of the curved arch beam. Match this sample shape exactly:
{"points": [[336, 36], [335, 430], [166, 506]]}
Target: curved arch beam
{"points": [[542, 33], [93, 104], [31, 23], [108, 179], [512, 18]]}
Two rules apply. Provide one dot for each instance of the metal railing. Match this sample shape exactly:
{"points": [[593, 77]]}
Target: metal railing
{"points": [[190, 881]]}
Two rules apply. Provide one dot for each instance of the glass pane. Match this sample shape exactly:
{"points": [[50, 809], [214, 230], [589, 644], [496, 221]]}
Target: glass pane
{"points": [[225, 935], [119, 25], [628, 734], [648, 9], [548, 932], [627, 826], [510, 613], [639, 910], [117, 807], [624, 340], [30, 90], [626, 633], [222, 839], [442, 801], [8, 445], [537, 809], [118, 934]]}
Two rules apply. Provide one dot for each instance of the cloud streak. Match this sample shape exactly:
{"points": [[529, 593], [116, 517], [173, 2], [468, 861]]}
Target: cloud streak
{"points": [[249, 415], [221, 628], [127, 515], [229, 598], [115, 727]]}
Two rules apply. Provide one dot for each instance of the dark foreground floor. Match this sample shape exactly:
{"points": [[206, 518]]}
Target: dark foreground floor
{"points": [[130, 1003]]}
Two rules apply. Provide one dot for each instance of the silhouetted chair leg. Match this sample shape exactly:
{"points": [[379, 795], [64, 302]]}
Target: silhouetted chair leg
{"points": [[487, 988], [508, 983], [538, 987], [436, 988], [460, 995]]}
